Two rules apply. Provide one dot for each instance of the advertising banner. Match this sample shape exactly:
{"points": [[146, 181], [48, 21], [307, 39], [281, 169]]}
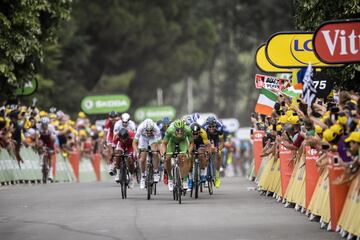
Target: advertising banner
{"points": [[338, 41], [263, 63], [312, 174], [292, 50], [270, 82], [105, 104], [258, 148], [29, 88], [154, 113]]}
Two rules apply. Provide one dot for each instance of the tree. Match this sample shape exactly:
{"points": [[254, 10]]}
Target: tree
{"points": [[25, 26]]}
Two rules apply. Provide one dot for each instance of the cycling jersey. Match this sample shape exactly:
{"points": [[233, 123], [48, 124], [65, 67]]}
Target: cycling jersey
{"points": [[119, 125], [109, 127], [217, 135], [125, 145], [172, 139], [47, 136], [201, 139]]}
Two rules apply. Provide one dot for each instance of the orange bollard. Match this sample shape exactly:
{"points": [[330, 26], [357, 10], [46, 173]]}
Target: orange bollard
{"points": [[312, 174], [74, 161], [286, 168], [258, 148], [338, 192], [96, 164]]}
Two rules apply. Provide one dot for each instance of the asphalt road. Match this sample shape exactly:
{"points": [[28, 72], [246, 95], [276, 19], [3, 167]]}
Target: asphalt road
{"points": [[96, 211]]}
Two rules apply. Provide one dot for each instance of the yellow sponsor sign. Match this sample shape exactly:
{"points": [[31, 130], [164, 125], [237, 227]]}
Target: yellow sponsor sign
{"points": [[292, 50], [263, 63]]}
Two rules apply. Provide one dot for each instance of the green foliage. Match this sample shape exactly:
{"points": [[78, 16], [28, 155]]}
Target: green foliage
{"points": [[25, 26], [311, 13]]}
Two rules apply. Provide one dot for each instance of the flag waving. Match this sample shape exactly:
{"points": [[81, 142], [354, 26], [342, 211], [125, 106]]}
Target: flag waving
{"points": [[309, 90], [266, 102]]}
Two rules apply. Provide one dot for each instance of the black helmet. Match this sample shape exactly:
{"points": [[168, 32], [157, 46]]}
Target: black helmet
{"points": [[195, 127], [113, 114], [123, 133]]}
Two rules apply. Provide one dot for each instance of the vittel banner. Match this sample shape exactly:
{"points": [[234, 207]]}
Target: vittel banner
{"points": [[338, 42]]}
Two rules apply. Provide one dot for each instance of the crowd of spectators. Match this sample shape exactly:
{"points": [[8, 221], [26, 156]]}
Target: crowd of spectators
{"points": [[20, 126]]}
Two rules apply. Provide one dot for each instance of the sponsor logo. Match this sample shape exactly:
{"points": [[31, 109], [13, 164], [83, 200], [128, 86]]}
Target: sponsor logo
{"points": [[338, 42]]}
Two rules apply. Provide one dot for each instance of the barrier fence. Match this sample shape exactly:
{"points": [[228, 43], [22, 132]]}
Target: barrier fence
{"points": [[313, 190], [74, 168]]}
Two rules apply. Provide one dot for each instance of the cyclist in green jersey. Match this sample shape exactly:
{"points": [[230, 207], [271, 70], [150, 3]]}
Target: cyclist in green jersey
{"points": [[177, 133]]}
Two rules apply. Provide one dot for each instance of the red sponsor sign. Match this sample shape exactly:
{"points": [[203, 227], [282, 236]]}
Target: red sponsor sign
{"points": [[338, 42], [269, 82], [312, 174], [286, 168], [258, 148]]}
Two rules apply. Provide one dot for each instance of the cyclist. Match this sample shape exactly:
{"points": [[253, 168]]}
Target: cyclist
{"points": [[200, 143], [147, 134], [124, 122], [214, 130], [164, 125], [47, 137], [177, 133], [109, 135], [123, 141]]}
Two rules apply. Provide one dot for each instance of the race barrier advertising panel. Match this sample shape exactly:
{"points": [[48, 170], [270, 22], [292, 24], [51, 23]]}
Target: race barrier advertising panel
{"points": [[286, 167], [74, 168], [312, 174], [258, 147]]}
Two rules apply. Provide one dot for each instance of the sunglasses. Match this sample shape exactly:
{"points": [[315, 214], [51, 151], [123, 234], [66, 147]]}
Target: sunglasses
{"points": [[212, 126], [195, 133], [179, 130]]}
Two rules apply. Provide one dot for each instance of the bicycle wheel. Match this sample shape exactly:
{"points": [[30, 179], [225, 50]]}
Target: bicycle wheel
{"points": [[210, 176], [178, 184], [154, 188], [123, 179], [196, 180], [137, 172], [45, 170], [149, 181]]}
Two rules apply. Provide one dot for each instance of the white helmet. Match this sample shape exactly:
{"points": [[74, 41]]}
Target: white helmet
{"points": [[44, 120], [125, 117], [149, 125]]}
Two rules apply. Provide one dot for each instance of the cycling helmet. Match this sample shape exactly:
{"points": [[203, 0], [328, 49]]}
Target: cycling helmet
{"points": [[211, 120], [112, 114], [195, 127], [179, 124], [166, 121], [149, 125], [125, 117], [189, 120], [44, 120], [195, 116], [123, 133]]}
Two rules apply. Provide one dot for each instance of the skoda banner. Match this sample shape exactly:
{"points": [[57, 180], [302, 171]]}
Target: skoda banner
{"points": [[28, 88], [105, 104], [338, 41], [263, 63], [292, 50], [154, 113]]}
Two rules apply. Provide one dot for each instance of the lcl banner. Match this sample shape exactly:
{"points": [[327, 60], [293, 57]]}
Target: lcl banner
{"points": [[269, 82], [292, 50], [263, 63], [338, 42]]}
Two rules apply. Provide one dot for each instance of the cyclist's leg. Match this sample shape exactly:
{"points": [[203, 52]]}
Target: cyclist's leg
{"points": [[50, 169], [184, 162], [217, 167], [155, 151], [170, 148]]}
